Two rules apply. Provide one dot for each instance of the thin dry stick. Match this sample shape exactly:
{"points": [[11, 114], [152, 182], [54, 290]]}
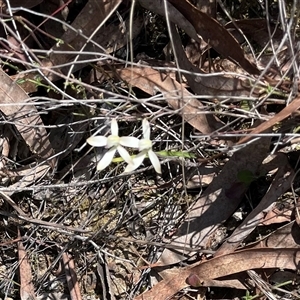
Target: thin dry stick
{"points": [[72, 281], [26, 285]]}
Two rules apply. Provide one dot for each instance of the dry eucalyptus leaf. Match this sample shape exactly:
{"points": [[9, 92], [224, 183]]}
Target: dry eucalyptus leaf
{"points": [[217, 203], [215, 34], [277, 216], [72, 281], [88, 20], [281, 183], [174, 15], [222, 266], [286, 236], [25, 117], [214, 85], [259, 30], [180, 99]]}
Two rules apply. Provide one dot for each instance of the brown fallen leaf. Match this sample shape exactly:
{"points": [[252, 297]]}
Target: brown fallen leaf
{"points": [[26, 118], [217, 203], [281, 183], [265, 258], [214, 85], [105, 278], [215, 35], [276, 216], [258, 30], [87, 21], [195, 280], [287, 236], [174, 15], [26, 285], [24, 176], [222, 266], [152, 81]]}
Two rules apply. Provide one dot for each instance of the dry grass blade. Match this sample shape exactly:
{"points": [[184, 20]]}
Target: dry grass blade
{"points": [[26, 285], [24, 217], [26, 118], [263, 286]]}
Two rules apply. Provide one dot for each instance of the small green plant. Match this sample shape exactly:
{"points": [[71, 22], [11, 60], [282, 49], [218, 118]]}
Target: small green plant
{"points": [[59, 42], [38, 82], [78, 88], [249, 297]]}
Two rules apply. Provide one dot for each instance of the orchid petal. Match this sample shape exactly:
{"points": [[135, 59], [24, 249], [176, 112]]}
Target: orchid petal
{"points": [[129, 141], [124, 154], [97, 141], [155, 161], [146, 129], [137, 161], [114, 128], [130, 168], [106, 159]]}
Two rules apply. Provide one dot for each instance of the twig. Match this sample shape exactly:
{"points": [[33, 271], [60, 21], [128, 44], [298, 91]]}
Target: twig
{"points": [[71, 276]]}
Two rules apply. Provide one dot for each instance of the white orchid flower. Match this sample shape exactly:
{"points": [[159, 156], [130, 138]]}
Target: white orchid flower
{"points": [[113, 142], [145, 146]]}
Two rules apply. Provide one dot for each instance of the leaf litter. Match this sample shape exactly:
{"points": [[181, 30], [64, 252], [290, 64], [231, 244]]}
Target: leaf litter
{"points": [[61, 84]]}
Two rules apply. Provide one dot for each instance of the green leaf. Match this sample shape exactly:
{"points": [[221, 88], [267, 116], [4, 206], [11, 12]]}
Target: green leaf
{"points": [[172, 153], [245, 105], [245, 176]]}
